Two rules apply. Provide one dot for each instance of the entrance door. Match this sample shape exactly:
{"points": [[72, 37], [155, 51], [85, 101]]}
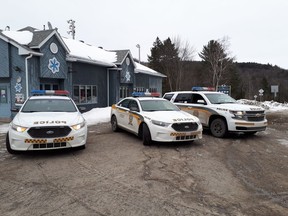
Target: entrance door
{"points": [[5, 103]]}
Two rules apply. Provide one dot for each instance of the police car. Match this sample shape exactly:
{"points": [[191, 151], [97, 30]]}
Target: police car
{"points": [[219, 112], [47, 120], [154, 119]]}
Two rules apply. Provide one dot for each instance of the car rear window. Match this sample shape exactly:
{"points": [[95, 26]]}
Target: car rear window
{"points": [[168, 96]]}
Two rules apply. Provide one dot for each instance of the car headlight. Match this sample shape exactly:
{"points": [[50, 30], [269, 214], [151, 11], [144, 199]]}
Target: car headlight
{"points": [[237, 114], [160, 123], [78, 126], [18, 128]]}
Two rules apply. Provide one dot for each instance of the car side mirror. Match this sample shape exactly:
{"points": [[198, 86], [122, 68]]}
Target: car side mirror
{"points": [[82, 109], [201, 102], [134, 109], [15, 109]]}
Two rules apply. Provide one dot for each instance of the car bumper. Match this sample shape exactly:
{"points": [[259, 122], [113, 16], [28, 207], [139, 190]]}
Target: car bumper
{"points": [[24, 142], [245, 126], [161, 134]]}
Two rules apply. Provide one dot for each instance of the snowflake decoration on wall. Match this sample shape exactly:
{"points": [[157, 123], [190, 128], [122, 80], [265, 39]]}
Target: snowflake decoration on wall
{"points": [[128, 76], [18, 87], [54, 65]]}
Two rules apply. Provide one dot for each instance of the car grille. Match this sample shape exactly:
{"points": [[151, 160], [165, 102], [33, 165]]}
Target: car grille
{"points": [[191, 137], [255, 115], [191, 126], [49, 145], [49, 132], [251, 128]]}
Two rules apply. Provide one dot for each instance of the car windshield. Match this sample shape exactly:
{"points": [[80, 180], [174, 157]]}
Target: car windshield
{"points": [[220, 98], [49, 105], [158, 105]]}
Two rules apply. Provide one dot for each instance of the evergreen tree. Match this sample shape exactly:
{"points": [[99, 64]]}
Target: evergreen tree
{"points": [[215, 53], [164, 57]]}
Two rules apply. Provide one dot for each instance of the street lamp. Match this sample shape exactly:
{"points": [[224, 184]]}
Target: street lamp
{"points": [[138, 46]]}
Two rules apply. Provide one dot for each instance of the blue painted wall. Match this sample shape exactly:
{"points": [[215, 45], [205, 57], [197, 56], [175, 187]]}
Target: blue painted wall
{"points": [[4, 59], [88, 74]]}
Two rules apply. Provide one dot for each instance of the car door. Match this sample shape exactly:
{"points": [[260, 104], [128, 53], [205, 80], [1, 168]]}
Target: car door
{"points": [[134, 116], [199, 108], [5, 103], [122, 113]]}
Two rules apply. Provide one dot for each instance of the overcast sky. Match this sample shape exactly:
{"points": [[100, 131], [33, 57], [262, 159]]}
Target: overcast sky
{"points": [[257, 29]]}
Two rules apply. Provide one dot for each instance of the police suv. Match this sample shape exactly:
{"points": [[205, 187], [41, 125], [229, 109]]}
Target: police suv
{"points": [[154, 119], [219, 112], [48, 120]]}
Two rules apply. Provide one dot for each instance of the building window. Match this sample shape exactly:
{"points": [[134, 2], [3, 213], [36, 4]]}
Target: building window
{"points": [[3, 94], [125, 91], [48, 86], [142, 89], [85, 94]]}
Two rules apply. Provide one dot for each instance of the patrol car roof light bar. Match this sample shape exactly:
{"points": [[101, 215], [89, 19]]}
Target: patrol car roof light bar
{"points": [[200, 88], [145, 94], [50, 92]]}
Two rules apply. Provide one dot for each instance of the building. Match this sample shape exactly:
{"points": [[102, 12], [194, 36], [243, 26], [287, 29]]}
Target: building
{"points": [[42, 59]]}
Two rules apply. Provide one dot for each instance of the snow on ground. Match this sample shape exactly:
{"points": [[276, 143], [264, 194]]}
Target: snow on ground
{"points": [[101, 115], [97, 115]]}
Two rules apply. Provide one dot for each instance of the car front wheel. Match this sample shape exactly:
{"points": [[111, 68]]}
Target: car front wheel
{"points": [[218, 127], [8, 146], [146, 135], [114, 124]]}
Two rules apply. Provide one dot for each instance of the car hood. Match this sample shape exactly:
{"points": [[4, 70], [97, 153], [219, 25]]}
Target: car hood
{"points": [[170, 116], [238, 107], [47, 119]]}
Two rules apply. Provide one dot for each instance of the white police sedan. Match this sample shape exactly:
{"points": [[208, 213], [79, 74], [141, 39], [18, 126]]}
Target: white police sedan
{"points": [[155, 119], [48, 120]]}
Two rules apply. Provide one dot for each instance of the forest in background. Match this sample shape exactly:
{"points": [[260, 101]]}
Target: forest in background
{"points": [[245, 79], [218, 67]]}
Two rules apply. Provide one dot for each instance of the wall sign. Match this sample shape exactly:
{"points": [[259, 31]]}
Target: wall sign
{"points": [[54, 65], [53, 48], [127, 61], [127, 76], [18, 86]]}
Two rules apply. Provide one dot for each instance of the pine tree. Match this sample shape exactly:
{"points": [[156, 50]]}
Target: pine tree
{"points": [[164, 57]]}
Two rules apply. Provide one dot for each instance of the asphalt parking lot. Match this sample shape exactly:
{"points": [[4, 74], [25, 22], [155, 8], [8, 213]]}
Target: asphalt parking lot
{"points": [[117, 175]]}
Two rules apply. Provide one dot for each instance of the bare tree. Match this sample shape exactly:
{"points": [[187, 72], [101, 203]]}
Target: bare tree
{"points": [[185, 53], [217, 55]]}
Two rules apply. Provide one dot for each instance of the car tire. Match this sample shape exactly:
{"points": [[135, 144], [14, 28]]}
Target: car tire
{"points": [[114, 124], [218, 127], [8, 146], [146, 135]]}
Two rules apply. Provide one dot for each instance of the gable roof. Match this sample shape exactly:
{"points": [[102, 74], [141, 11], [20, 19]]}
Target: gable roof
{"points": [[77, 50], [20, 41], [40, 37], [139, 68], [121, 55]]}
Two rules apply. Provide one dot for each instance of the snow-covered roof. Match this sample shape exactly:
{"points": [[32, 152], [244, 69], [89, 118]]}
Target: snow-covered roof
{"points": [[81, 50], [146, 70], [21, 37], [78, 50]]}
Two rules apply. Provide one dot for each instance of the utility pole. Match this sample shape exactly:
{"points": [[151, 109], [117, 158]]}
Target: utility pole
{"points": [[138, 46], [71, 27]]}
